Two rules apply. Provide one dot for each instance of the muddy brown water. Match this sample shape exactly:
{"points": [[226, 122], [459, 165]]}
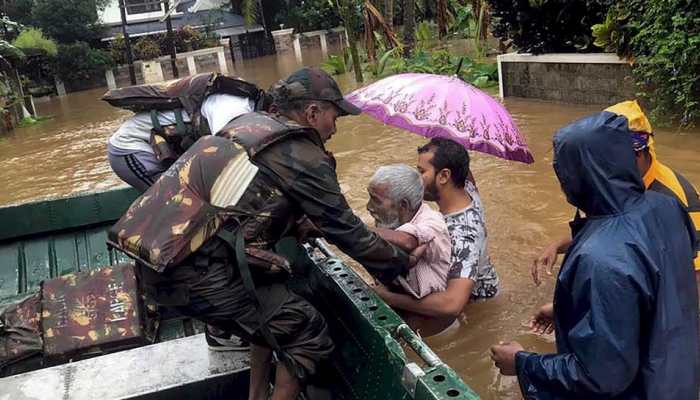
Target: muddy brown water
{"points": [[524, 207]]}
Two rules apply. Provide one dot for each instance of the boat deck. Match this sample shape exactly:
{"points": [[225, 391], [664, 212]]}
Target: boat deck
{"points": [[182, 368]]}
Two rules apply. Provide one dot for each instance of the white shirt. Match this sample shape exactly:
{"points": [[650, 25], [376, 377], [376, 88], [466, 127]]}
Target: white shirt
{"points": [[135, 133]]}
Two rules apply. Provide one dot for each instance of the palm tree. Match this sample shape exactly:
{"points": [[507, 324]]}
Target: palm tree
{"points": [[409, 27]]}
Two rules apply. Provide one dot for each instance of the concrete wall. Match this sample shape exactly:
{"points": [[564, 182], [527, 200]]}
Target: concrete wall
{"points": [[204, 63], [571, 78]]}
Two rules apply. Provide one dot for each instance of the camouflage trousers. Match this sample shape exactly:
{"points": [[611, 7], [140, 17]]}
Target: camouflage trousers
{"points": [[210, 289]]}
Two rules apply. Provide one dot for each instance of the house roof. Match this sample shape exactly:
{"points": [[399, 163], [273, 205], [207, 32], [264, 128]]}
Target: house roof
{"points": [[224, 23]]}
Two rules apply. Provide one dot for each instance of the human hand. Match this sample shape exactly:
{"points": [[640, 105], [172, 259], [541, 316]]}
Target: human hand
{"points": [[417, 254], [543, 320], [503, 356], [306, 229], [545, 260], [381, 290]]}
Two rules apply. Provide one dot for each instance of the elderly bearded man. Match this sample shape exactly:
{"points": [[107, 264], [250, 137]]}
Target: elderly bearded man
{"points": [[396, 204]]}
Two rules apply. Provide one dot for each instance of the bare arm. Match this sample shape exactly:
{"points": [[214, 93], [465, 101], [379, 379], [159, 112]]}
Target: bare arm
{"points": [[448, 303], [548, 258], [403, 240]]}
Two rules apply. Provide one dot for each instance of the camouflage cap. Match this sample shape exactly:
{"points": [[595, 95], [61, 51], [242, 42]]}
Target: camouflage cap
{"points": [[315, 84]]}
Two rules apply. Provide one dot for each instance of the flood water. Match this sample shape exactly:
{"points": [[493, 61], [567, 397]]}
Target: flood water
{"points": [[524, 207]]}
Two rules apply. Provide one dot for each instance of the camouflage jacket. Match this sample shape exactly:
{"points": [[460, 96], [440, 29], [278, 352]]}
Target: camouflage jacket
{"points": [[298, 177], [260, 174]]}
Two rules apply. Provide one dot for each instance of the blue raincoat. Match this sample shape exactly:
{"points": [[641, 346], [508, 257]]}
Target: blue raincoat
{"points": [[625, 304]]}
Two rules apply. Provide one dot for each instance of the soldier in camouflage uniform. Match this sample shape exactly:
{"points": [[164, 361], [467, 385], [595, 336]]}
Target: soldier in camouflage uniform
{"points": [[295, 178]]}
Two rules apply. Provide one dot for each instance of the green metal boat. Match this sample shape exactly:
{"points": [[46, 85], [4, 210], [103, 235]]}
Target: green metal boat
{"points": [[377, 356]]}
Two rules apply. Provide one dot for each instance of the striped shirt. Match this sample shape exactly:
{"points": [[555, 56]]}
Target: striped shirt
{"points": [[430, 273]]}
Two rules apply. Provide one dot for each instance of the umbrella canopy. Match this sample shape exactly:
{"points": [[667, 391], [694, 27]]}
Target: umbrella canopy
{"points": [[447, 107]]}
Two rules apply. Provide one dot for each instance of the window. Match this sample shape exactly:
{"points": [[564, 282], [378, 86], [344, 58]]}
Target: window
{"points": [[142, 6]]}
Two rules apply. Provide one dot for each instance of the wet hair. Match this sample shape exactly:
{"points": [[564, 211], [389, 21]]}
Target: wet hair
{"points": [[402, 182], [451, 155]]}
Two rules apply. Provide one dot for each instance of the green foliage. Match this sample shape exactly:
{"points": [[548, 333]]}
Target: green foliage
{"points": [[335, 65], [186, 39], [33, 40], [30, 121], [425, 30], [313, 15], [10, 53], [117, 50], [20, 11], [384, 59], [463, 20], [68, 21], [146, 48], [438, 62], [547, 26], [249, 11], [78, 61], [663, 40], [8, 96], [614, 34]]}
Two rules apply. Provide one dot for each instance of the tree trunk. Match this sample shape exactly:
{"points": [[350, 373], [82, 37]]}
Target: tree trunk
{"points": [[389, 12], [442, 18], [346, 9], [409, 27]]}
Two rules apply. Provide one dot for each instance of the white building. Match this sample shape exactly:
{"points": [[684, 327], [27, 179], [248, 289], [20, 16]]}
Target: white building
{"points": [[144, 17]]}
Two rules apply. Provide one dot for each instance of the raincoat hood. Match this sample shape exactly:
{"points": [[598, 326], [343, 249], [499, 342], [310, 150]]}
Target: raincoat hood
{"points": [[595, 164]]}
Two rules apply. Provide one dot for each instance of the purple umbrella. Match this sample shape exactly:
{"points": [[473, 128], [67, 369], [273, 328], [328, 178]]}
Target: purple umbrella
{"points": [[447, 107]]}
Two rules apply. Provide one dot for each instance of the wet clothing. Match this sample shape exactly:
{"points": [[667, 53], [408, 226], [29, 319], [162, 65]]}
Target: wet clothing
{"points": [[662, 179], [303, 176], [208, 287], [131, 146], [138, 169], [470, 255], [625, 303], [430, 272], [257, 178]]}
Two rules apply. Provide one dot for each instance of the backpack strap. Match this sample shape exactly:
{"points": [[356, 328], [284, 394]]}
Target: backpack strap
{"points": [[155, 122], [236, 243], [180, 126]]}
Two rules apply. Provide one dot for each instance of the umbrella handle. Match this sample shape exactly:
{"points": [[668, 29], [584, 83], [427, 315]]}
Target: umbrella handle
{"points": [[459, 66]]}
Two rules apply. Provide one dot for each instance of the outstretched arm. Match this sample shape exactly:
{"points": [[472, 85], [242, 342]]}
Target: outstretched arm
{"points": [[602, 358], [448, 303], [403, 240]]}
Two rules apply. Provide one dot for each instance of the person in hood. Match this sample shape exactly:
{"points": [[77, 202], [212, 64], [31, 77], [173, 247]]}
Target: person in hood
{"points": [[655, 175], [625, 309]]}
